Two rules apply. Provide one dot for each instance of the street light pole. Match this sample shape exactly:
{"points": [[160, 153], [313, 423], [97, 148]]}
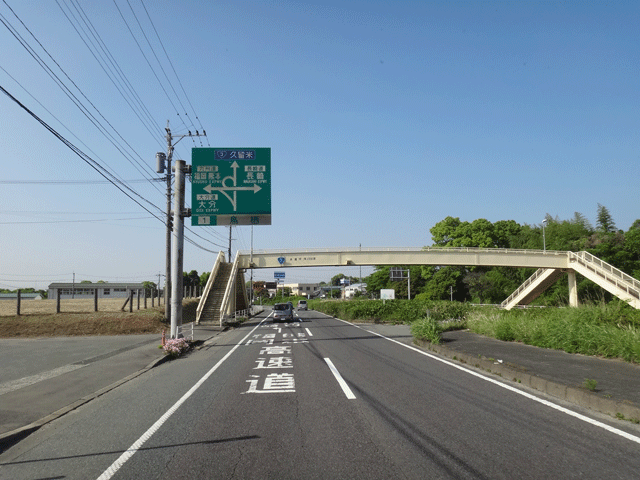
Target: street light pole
{"points": [[544, 239]]}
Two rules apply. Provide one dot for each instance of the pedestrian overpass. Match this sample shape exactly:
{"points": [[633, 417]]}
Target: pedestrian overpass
{"points": [[225, 294]]}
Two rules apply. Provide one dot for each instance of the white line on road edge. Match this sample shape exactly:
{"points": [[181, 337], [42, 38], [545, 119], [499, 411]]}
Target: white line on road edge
{"points": [[584, 418], [308, 332], [12, 385], [345, 388], [115, 466]]}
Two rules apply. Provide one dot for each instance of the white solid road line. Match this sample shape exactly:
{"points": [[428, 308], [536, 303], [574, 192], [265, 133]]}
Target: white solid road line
{"points": [[12, 385], [308, 332], [115, 466], [345, 388], [549, 404]]}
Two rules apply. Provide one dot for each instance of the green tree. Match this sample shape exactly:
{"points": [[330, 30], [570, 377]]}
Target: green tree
{"points": [[605, 221], [150, 288], [378, 280], [440, 282], [505, 232], [444, 232], [191, 279]]}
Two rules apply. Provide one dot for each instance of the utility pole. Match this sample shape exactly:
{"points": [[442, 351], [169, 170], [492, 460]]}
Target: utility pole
{"points": [[251, 265], [179, 214], [160, 167]]}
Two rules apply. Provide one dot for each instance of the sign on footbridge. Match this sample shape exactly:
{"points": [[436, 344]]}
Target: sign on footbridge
{"points": [[231, 186]]}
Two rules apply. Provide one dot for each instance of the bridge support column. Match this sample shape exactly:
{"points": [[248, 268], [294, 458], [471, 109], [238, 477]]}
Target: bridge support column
{"points": [[573, 289]]}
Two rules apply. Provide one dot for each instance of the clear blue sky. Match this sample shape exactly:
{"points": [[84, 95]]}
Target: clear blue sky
{"points": [[383, 118]]}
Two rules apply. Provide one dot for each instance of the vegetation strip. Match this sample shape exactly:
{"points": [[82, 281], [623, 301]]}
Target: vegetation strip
{"points": [[609, 330]]}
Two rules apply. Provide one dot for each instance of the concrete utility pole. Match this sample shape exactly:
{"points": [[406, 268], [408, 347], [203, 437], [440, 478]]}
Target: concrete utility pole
{"points": [[160, 161], [179, 213]]}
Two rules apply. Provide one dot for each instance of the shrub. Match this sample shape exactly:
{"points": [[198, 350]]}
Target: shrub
{"points": [[175, 347]]}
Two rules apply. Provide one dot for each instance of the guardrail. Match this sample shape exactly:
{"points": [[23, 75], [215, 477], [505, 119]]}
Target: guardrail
{"points": [[181, 329], [248, 312]]}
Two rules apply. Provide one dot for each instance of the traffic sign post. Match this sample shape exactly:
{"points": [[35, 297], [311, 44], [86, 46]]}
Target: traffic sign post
{"points": [[231, 186]]}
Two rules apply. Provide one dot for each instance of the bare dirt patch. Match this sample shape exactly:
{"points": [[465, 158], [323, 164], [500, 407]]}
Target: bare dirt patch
{"points": [[29, 307]]}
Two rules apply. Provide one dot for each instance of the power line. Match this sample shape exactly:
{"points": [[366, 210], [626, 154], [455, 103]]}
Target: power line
{"points": [[173, 68], [113, 73], [72, 182], [69, 93], [76, 221], [92, 163]]}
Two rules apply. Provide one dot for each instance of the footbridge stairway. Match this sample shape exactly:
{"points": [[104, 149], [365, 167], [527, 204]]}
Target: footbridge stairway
{"points": [[610, 278], [224, 295]]}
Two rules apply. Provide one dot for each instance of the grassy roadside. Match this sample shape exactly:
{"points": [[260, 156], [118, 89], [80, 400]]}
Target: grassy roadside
{"points": [[610, 330], [91, 323]]}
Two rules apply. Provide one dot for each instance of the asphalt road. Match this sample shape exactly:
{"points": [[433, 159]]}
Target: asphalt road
{"points": [[319, 398]]}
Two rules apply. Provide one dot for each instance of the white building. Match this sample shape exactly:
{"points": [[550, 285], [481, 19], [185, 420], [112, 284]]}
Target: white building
{"points": [[350, 290], [302, 289], [87, 290]]}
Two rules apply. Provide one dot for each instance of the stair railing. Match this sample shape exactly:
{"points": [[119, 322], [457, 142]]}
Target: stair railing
{"points": [[608, 272], [523, 287], [207, 288], [227, 292]]}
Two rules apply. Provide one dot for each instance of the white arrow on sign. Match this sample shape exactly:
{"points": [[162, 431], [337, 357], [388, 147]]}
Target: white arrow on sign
{"points": [[211, 188], [232, 189]]}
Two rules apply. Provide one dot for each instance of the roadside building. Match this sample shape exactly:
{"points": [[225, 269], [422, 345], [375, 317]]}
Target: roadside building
{"points": [[87, 290], [302, 289], [351, 290]]}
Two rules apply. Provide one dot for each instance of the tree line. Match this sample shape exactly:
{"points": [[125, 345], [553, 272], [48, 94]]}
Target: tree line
{"points": [[493, 284]]}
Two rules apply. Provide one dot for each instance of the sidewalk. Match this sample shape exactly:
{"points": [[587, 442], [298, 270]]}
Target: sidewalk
{"points": [[33, 393]]}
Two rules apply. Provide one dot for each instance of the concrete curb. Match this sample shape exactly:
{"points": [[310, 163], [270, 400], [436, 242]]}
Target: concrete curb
{"points": [[577, 396], [8, 439]]}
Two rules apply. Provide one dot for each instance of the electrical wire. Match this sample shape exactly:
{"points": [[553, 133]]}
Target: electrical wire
{"points": [[88, 160], [113, 72], [85, 111]]}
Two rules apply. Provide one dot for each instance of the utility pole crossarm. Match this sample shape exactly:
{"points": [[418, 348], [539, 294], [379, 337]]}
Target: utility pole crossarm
{"points": [[170, 147]]}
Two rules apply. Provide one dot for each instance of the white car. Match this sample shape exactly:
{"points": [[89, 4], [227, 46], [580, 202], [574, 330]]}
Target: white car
{"points": [[302, 305]]}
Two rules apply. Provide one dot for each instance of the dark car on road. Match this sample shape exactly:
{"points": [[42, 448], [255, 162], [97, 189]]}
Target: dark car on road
{"points": [[282, 312]]}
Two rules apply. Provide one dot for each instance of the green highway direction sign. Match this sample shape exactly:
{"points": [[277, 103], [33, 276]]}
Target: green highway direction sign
{"points": [[231, 186]]}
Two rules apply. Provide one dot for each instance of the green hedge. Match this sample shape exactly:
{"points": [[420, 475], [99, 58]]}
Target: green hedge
{"points": [[392, 311]]}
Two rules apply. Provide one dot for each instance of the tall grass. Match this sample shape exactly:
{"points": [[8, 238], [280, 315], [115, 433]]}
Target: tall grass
{"points": [[609, 330]]}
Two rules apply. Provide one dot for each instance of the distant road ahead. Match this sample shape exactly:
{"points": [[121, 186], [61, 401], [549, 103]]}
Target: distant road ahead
{"points": [[318, 398]]}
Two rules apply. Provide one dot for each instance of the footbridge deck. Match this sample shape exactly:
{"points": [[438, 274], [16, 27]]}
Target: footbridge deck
{"points": [[550, 266], [489, 257]]}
